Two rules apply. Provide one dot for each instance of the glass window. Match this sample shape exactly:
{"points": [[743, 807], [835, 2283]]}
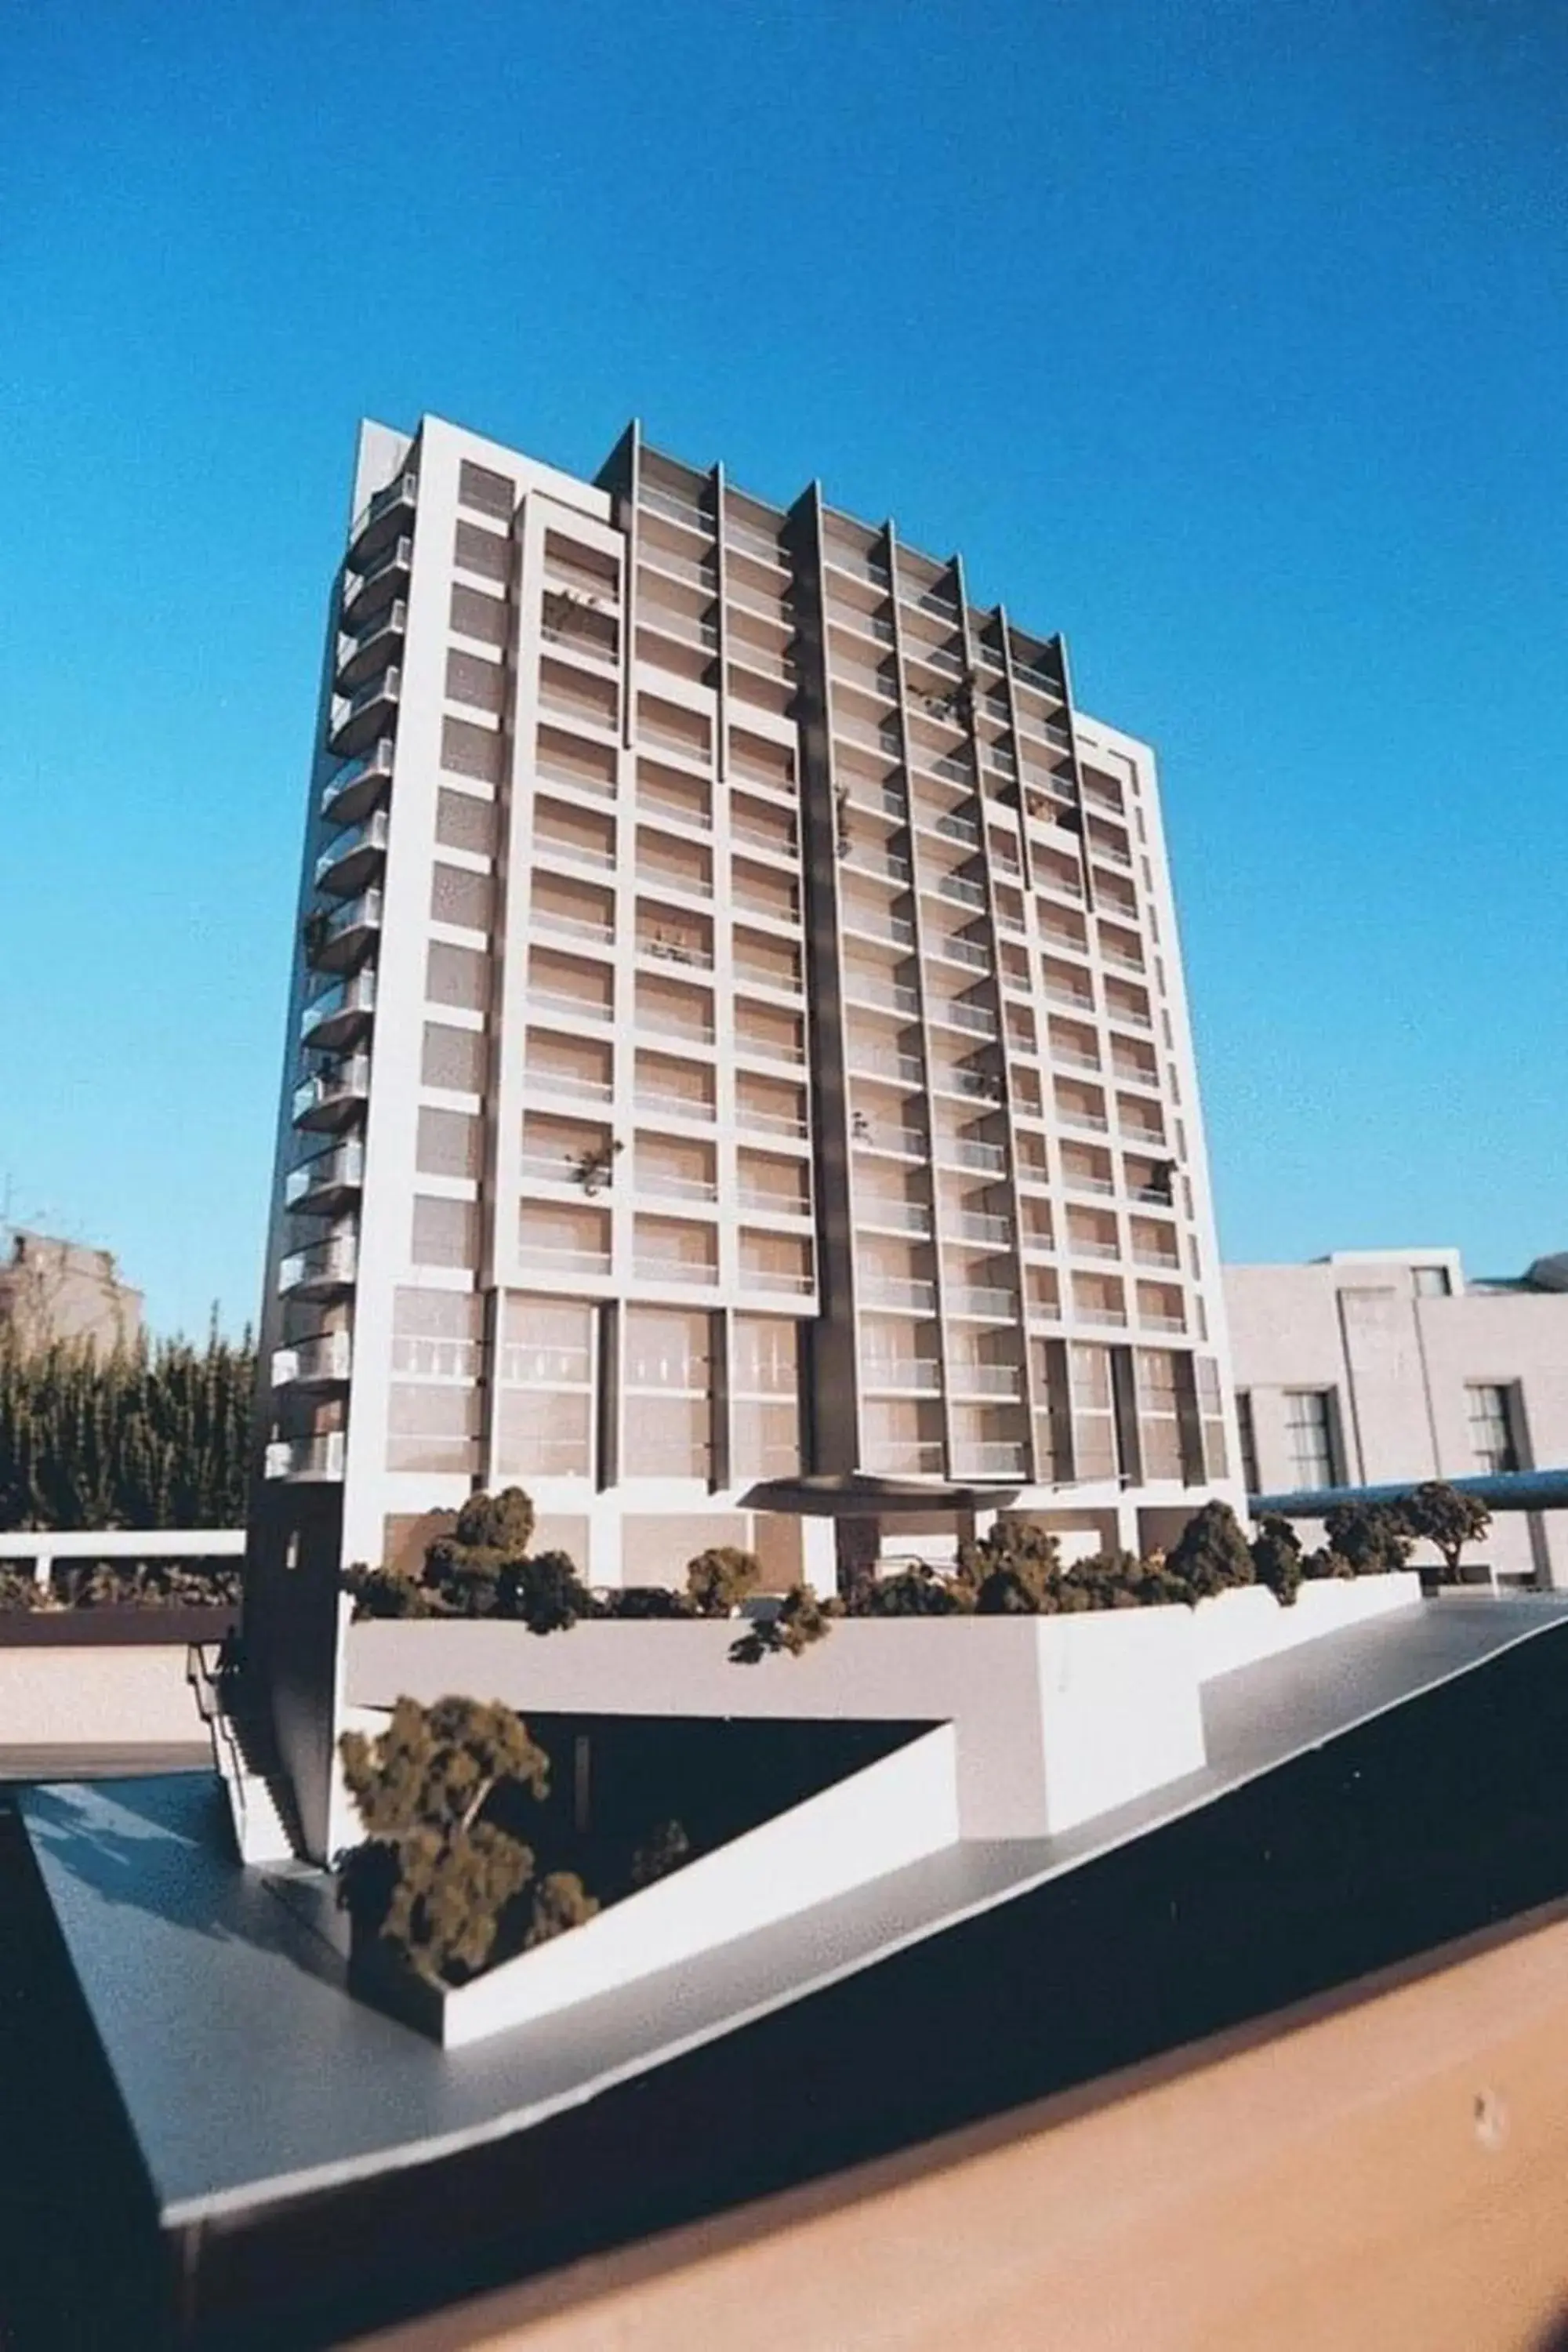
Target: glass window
{"points": [[1308, 1433], [1491, 1431], [1248, 1436]]}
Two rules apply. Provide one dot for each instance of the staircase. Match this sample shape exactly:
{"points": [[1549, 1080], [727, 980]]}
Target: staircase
{"points": [[261, 1804]]}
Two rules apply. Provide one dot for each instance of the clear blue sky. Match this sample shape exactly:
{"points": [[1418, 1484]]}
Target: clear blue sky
{"points": [[1228, 337]]}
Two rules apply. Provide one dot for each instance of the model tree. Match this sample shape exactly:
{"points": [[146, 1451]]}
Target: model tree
{"points": [[435, 1877], [1370, 1538], [1277, 1560], [1439, 1514], [719, 1579], [1210, 1555]]}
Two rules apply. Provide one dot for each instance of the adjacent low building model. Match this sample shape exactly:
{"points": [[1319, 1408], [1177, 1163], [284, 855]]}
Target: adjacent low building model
{"points": [[1370, 1367], [52, 1290], [738, 1081]]}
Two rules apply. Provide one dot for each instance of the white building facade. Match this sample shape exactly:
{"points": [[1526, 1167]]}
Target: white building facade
{"points": [[736, 1036], [1370, 1368]]}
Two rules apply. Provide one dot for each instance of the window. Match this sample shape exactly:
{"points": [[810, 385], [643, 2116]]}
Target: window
{"points": [[1309, 1432], [1491, 1428], [1248, 1436], [1432, 1282]]}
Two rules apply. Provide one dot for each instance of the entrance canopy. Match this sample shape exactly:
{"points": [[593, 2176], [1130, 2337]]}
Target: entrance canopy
{"points": [[856, 1494]]}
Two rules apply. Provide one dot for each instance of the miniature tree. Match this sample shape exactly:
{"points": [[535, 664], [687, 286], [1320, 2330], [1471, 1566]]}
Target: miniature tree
{"points": [[719, 1580], [802, 1619], [1371, 1539], [1277, 1559], [1014, 1572], [664, 1849], [545, 1591], [464, 1567], [434, 1877], [1439, 1514], [916, 1590], [1210, 1555]]}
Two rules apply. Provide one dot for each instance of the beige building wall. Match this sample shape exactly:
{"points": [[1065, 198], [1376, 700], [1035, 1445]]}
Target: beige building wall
{"points": [[1411, 1374], [52, 1290], [737, 1030]]}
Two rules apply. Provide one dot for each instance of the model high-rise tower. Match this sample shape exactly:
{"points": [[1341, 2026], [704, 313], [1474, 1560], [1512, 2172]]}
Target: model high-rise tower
{"points": [[737, 1037]]}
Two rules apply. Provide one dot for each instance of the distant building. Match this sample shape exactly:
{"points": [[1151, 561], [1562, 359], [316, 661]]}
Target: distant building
{"points": [[1371, 1366], [52, 1290]]}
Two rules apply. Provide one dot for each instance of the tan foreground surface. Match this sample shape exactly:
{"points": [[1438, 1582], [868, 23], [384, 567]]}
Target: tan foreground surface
{"points": [[1385, 2173]]}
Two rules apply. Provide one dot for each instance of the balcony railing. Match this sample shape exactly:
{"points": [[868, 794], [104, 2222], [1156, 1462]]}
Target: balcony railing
{"points": [[914, 1460], [575, 1008], [894, 1290], [1162, 1322], [381, 576], [675, 508], [664, 1184], [340, 1012], [899, 1216], [313, 1363], [329, 1265], [1113, 1318], [891, 996], [981, 1299], [570, 927], [669, 1106], [772, 1122], [976, 1086], [777, 842], [685, 746], [880, 1061], [869, 1135], [745, 535], [773, 1204], [974, 1225], [993, 1461], [962, 1151], [398, 499], [561, 1168], [360, 718], [335, 942], [547, 1257], [921, 1374], [962, 891], [362, 651], [875, 925], [761, 1278], [761, 975], [658, 1021], [1067, 1058], [346, 864], [1167, 1262], [1075, 1183], [663, 948], [356, 787], [581, 1088], [953, 949], [331, 1097], [319, 1184], [701, 1271], [987, 1380], [1080, 1246], [306, 1457], [978, 1019], [579, 853]]}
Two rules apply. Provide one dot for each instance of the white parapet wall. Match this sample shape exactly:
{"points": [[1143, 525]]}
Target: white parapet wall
{"points": [[892, 1812], [98, 1695], [1238, 1629], [1056, 1719]]}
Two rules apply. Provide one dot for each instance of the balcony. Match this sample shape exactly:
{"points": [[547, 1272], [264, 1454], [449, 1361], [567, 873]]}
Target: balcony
{"points": [[752, 541], [884, 865], [995, 1460], [382, 521], [540, 1078], [664, 1184], [574, 1008], [776, 841], [572, 927], [334, 1096], [987, 1380], [960, 890], [920, 1458], [360, 657], [955, 828], [978, 1225], [761, 975], [359, 786], [306, 1457], [886, 995], [327, 1184], [386, 576], [1164, 1261], [337, 942], [685, 1270], [341, 1016], [962, 1151], [974, 1085], [897, 1142], [696, 1108], [542, 1257], [370, 712], [983, 1302], [895, 1290], [977, 1019], [321, 1363], [895, 1216], [355, 859], [324, 1271], [951, 949], [672, 508], [758, 1277], [882, 1062], [915, 1375], [871, 924]]}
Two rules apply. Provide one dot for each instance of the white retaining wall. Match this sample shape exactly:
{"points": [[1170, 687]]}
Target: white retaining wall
{"points": [[1237, 1629]]}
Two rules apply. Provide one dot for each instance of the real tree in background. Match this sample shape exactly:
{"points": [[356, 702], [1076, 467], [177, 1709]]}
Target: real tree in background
{"points": [[157, 1435]]}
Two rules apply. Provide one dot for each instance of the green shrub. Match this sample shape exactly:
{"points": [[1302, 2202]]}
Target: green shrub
{"points": [[916, 1590], [1210, 1555], [1371, 1539], [545, 1593], [719, 1580], [645, 1600], [1277, 1559], [802, 1620], [436, 1878], [388, 1593], [20, 1589], [1439, 1515]]}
